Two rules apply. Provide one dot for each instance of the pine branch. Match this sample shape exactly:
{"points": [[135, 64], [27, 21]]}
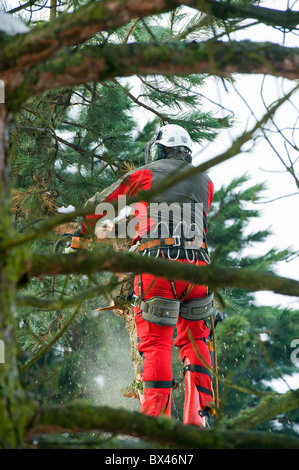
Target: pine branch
{"points": [[138, 102], [43, 229], [109, 260], [267, 408], [91, 63], [225, 10], [50, 129], [54, 340], [167, 432], [110, 14], [62, 302], [22, 7]]}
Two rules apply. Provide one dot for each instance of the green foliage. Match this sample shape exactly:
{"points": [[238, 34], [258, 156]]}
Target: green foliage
{"points": [[254, 347]]}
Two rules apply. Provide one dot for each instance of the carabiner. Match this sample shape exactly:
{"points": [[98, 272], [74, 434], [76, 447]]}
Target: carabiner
{"points": [[188, 256], [173, 259]]}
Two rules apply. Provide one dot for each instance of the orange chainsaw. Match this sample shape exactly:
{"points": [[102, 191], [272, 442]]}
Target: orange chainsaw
{"points": [[71, 244]]}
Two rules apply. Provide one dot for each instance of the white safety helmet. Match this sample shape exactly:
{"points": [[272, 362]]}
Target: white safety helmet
{"points": [[170, 135]]}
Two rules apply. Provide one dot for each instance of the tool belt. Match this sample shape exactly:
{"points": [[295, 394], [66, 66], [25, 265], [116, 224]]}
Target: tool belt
{"points": [[174, 248], [164, 311], [197, 309], [159, 310]]}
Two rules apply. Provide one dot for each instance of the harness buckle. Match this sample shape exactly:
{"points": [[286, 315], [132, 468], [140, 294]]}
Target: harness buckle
{"points": [[177, 240], [136, 301], [134, 247]]}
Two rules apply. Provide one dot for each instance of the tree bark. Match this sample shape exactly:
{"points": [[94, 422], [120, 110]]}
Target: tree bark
{"points": [[224, 10], [85, 22], [268, 407], [164, 431], [15, 407], [92, 63], [109, 260], [53, 9]]}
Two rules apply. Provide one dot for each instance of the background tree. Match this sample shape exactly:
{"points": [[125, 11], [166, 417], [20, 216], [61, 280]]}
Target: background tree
{"points": [[253, 341], [77, 123]]}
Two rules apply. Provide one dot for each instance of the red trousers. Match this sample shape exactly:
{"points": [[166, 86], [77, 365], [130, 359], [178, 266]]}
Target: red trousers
{"points": [[155, 343]]}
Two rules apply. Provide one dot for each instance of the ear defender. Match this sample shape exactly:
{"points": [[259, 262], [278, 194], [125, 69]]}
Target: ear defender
{"points": [[161, 154]]}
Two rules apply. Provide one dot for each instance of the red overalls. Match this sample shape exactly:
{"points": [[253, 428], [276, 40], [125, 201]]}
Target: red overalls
{"points": [[155, 343]]}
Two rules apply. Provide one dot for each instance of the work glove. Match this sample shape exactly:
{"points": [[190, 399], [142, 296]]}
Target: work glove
{"points": [[78, 232]]}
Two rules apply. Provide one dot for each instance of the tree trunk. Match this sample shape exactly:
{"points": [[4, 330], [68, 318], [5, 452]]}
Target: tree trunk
{"points": [[15, 407], [53, 9]]}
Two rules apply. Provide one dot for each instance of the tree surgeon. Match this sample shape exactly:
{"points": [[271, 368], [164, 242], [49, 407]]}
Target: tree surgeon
{"points": [[173, 226]]}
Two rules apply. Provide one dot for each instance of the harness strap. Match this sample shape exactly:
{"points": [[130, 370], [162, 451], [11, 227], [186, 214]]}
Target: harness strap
{"points": [[140, 286], [172, 283], [158, 384], [204, 390], [173, 286], [190, 285], [197, 368], [186, 291]]}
